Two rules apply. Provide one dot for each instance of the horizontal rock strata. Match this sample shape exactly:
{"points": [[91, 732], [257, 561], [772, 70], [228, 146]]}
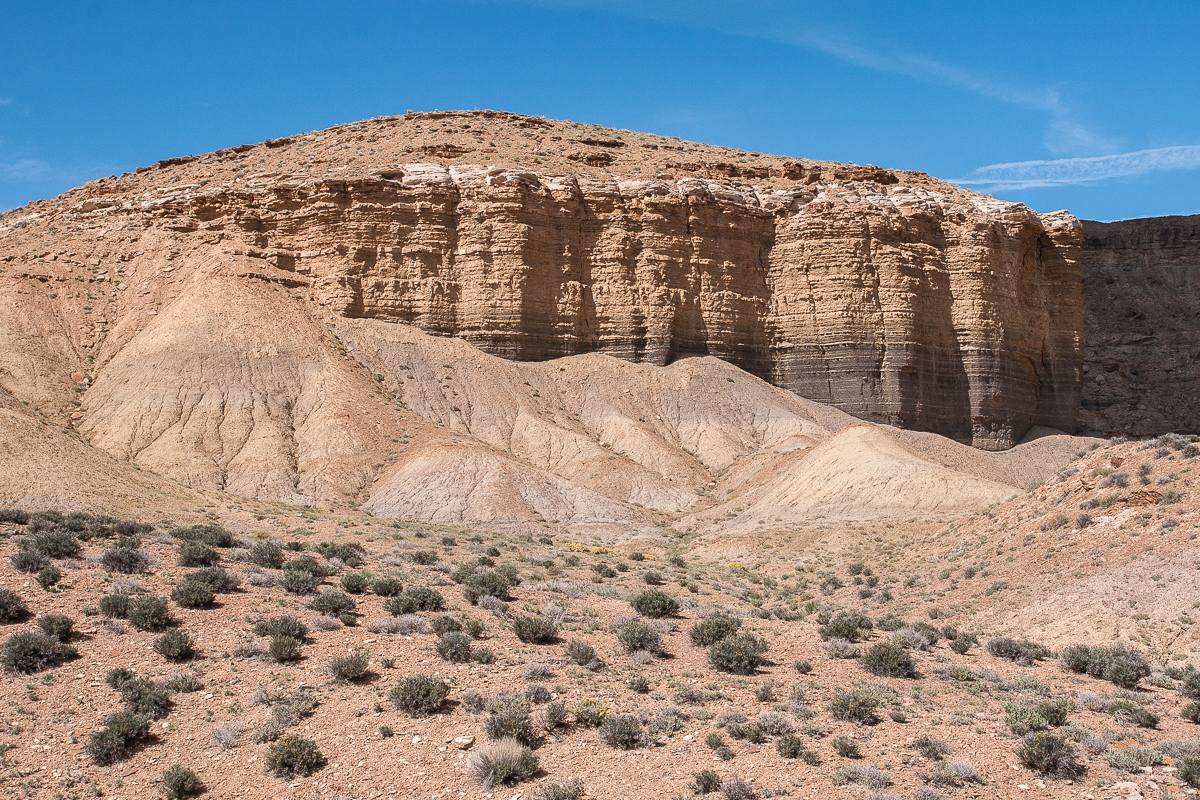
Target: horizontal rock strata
{"points": [[950, 313], [889, 295]]}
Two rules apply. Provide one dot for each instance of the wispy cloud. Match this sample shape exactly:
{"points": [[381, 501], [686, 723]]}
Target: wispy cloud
{"points": [[1075, 171], [27, 170], [794, 25]]}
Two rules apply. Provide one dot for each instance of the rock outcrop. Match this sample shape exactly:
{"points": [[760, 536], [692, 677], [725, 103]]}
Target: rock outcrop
{"points": [[888, 295], [1142, 326]]}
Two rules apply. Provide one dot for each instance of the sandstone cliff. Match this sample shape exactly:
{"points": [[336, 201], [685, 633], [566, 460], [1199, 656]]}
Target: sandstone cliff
{"points": [[325, 321], [888, 295], [1142, 326]]}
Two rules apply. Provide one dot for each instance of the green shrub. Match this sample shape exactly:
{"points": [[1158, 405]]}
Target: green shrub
{"points": [[144, 697], [638, 683], [175, 645], [287, 625], [654, 603], [424, 558], [846, 625], [1191, 712], [115, 606], [355, 582], [791, 746], [1117, 663], [292, 756], [217, 579], [180, 782], [116, 739], [713, 629], [581, 653], [888, 659], [444, 623], [48, 577], [1023, 718], [1048, 754], [349, 553], [845, 747], [196, 554], [297, 582], [310, 566], [750, 731], [34, 651], [454, 647], [509, 718], [29, 561], [284, 648], [192, 594], [1133, 713], [117, 676], [14, 516], [638, 634], [349, 668], [126, 557], [930, 748], [739, 655], [534, 630], [804, 667], [501, 762], [1055, 712], [1021, 652], [60, 626], [212, 535], [962, 644], [183, 683], [414, 599], [483, 584], [567, 790], [149, 612], [1189, 684], [12, 607], [268, 555], [420, 695], [854, 705], [623, 731], [1188, 767], [333, 603], [55, 543], [386, 587]]}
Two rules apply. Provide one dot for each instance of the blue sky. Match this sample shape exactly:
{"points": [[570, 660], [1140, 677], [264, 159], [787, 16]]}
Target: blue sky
{"points": [[1087, 106]]}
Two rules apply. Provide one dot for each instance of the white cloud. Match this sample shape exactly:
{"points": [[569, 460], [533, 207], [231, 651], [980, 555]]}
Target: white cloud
{"points": [[1074, 171], [26, 170], [794, 25]]}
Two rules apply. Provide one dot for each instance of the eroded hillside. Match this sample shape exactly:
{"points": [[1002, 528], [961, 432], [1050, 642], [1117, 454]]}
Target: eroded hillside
{"points": [[889, 295]]}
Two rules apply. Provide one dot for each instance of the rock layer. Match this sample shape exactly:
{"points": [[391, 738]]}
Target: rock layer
{"points": [[1142, 312], [888, 295]]}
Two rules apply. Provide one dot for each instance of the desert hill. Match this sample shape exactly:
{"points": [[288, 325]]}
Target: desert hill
{"points": [[326, 321], [889, 295]]}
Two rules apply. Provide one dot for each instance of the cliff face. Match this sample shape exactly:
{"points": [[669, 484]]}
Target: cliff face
{"points": [[1142, 315], [898, 305], [888, 295]]}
